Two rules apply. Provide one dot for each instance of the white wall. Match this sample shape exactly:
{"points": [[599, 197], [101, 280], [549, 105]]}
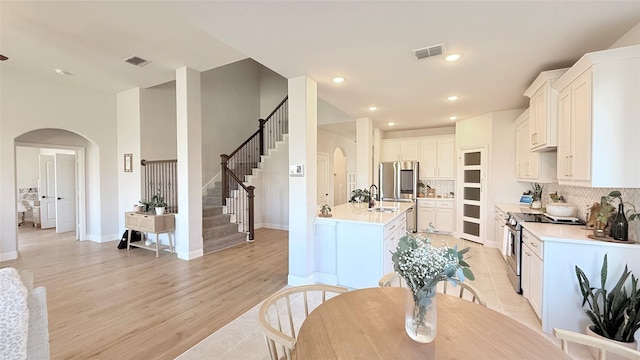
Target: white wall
{"points": [[273, 89], [40, 101], [129, 142], [272, 190], [27, 167], [230, 111], [632, 37], [158, 140]]}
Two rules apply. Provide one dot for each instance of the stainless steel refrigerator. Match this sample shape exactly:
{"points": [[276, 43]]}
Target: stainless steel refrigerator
{"points": [[399, 182]]}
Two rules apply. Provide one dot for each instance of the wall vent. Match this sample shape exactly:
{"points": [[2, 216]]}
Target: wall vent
{"points": [[429, 51], [137, 61]]}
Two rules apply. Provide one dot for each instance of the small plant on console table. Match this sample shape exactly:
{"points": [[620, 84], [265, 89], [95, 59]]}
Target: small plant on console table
{"points": [[157, 201]]}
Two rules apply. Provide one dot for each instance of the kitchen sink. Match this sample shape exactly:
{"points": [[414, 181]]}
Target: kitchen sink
{"points": [[384, 209]]}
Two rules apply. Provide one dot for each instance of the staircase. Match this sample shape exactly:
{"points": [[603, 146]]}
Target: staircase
{"points": [[233, 223], [218, 232]]}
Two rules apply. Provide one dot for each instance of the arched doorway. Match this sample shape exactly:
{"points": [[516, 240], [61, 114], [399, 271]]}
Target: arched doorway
{"points": [[339, 176], [50, 168]]}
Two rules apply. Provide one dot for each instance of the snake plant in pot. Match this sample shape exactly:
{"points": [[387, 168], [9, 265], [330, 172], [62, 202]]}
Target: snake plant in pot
{"points": [[615, 313]]}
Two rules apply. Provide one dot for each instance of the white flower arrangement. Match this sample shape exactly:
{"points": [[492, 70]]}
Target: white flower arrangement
{"points": [[423, 265]]}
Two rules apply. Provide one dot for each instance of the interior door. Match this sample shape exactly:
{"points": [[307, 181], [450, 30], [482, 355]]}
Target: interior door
{"points": [[65, 180], [47, 192], [473, 170]]}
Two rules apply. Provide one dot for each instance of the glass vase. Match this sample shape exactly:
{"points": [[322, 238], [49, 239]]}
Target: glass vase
{"points": [[420, 320], [620, 225]]}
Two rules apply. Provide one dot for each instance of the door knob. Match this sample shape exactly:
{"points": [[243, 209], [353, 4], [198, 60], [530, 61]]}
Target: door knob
{"points": [[59, 198]]}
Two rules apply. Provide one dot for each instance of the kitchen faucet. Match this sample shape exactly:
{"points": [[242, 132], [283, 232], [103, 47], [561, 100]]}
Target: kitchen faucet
{"points": [[372, 199]]}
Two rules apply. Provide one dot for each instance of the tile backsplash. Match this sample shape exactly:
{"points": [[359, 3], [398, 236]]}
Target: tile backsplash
{"points": [[443, 187], [584, 197]]}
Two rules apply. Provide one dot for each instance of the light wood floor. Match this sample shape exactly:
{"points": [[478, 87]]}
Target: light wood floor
{"points": [[106, 303]]}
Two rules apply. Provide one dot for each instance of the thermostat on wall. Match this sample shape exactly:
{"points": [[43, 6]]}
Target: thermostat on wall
{"points": [[296, 170]]}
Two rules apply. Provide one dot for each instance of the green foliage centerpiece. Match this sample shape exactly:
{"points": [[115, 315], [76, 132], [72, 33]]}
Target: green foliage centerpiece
{"points": [[422, 266]]}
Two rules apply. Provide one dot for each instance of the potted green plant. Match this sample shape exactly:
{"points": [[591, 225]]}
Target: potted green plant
{"points": [[607, 211], [360, 196], [537, 196], [615, 313], [157, 202]]}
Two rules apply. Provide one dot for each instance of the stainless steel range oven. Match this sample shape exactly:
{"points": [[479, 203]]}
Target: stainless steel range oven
{"points": [[514, 250], [514, 240]]}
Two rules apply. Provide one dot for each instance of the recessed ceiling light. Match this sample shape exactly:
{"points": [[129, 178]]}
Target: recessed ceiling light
{"points": [[453, 118], [338, 79], [62, 72], [373, 108], [391, 124], [453, 98], [452, 57]]}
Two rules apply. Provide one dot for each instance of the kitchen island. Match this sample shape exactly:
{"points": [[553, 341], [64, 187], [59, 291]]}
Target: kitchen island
{"points": [[353, 246]]}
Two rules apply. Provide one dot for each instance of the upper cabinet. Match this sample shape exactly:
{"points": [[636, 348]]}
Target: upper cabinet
{"points": [[437, 157], [436, 154], [543, 120], [400, 150], [598, 121], [532, 166]]}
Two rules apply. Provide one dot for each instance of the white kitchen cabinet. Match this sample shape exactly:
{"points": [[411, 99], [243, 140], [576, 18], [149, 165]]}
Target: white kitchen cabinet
{"points": [[532, 270], [532, 166], [543, 122], [598, 126], [437, 157], [400, 150], [438, 212]]}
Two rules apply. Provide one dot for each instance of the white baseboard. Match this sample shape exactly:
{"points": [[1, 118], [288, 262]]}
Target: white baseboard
{"points": [[11, 255], [186, 255], [314, 278], [272, 226], [102, 238], [491, 244]]}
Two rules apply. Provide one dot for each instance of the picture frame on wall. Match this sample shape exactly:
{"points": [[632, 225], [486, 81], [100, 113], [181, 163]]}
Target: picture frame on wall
{"points": [[128, 162]]}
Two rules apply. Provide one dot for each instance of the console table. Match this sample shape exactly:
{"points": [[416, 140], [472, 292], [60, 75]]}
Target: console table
{"points": [[150, 223]]}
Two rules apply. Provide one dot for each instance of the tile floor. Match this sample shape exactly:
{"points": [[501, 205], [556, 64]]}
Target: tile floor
{"points": [[242, 339]]}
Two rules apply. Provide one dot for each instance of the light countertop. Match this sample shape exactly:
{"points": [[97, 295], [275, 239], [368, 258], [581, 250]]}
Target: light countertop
{"points": [[568, 233], [351, 212], [557, 232], [517, 208]]}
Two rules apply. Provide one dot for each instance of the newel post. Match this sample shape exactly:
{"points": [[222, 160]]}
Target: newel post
{"points": [[261, 129], [250, 196], [224, 160]]}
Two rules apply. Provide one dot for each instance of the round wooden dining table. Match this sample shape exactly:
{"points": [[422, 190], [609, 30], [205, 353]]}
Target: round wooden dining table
{"points": [[369, 324]]}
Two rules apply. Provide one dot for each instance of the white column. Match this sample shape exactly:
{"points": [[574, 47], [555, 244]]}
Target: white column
{"points": [[364, 151], [303, 139], [189, 131]]}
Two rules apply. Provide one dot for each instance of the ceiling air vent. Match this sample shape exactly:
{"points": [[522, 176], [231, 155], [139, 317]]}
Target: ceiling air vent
{"points": [[134, 60], [429, 51]]}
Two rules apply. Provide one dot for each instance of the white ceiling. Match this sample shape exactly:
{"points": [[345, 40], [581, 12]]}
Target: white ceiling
{"points": [[504, 45]]}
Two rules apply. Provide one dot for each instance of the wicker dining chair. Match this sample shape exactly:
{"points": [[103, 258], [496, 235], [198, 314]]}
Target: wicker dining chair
{"points": [[604, 346], [461, 289], [282, 314]]}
